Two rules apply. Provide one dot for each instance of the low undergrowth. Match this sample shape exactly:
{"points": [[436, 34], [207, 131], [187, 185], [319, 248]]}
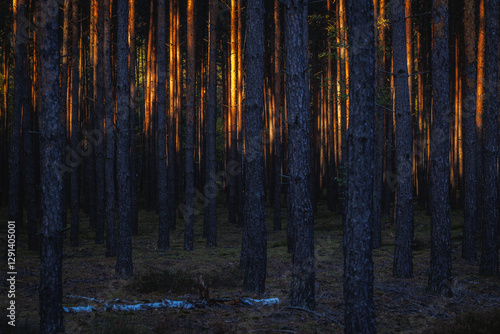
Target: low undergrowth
{"points": [[402, 305]]}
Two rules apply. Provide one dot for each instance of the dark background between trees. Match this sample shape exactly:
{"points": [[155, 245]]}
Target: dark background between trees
{"points": [[218, 111]]}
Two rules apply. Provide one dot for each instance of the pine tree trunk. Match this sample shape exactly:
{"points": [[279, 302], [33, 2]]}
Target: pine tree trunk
{"points": [[489, 249], [358, 263], [210, 188], [277, 117], [190, 104], [233, 110], [98, 171], [163, 196], [124, 267], [403, 266], [132, 97], [254, 245], [110, 141], [20, 103], [469, 140], [51, 317], [75, 67], [300, 215], [440, 271]]}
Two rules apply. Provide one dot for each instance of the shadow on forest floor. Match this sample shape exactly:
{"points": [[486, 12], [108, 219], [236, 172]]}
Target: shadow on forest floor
{"points": [[402, 305]]}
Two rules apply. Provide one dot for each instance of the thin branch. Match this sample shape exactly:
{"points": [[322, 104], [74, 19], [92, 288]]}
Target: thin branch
{"points": [[380, 70], [419, 73], [381, 106], [416, 15]]}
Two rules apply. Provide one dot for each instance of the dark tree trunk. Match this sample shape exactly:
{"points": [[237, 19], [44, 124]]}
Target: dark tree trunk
{"points": [[4, 119], [277, 117], [190, 98], [124, 266], [51, 316], [469, 128], [300, 215], [440, 271], [132, 97], [63, 79], [210, 189], [110, 141], [28, 165], [75, 67], [358, 264], [98, 172], [254, 245], [21, 103], [163, 195], [403, 265], [489, 249]]}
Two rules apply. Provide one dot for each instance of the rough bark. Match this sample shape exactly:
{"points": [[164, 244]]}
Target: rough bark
{"points": [[29, 162], [173, 106], [277, 117], [20, 103], [301, 212], [233, 110], [109, 164], [64, 78], [469, 139], [133, 95], [254, 245], [163, 196], [210, 189], [75, 77], [403, 265], [190, 98], [98, 171], [489, 249], [124, 267], [51, 316], [440, 271], [358, 263]]}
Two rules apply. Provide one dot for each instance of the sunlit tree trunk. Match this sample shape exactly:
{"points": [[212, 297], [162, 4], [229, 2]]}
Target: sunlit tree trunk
{"points": [[277, 117], [358, 264], [480, 105], [163, 198], [254, 245], [440, 271], [173, 105], [75, 86], [301, 211], [50, 297], [210, 189], [240, 119], [132, 104], [124, 266], [97, 175], [469, 139], [110, 140], [63, 79], [233, 113], [190, 102], [379, 135], [403, 266], [4, 120], [489, 249]]}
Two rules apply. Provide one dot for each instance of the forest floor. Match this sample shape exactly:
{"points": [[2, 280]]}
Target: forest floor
{"points": [[402, 305]]}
